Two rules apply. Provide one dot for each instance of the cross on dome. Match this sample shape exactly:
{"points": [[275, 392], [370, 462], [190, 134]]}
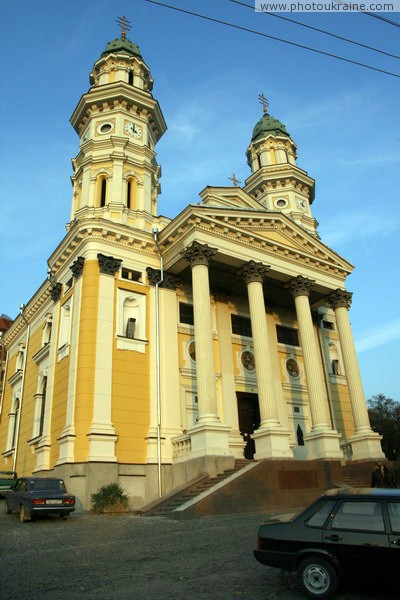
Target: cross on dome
{"points": [[124, 24]]}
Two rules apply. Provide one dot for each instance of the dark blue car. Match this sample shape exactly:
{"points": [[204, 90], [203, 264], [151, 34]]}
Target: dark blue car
{"points": [[33, 496]]}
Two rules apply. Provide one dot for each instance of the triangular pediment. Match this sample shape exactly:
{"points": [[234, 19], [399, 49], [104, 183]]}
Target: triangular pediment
{"points": [[271, 235], [229, 197]]}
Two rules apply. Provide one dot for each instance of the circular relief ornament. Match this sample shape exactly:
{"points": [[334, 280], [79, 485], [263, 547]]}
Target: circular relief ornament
{"points": [[281, 203], [248, 360], [192, 350], [292, 368]]}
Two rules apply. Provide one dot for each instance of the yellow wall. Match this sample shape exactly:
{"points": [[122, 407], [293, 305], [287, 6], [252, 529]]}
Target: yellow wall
{"points": [[131, 395], [7, 397], [86, 358]]}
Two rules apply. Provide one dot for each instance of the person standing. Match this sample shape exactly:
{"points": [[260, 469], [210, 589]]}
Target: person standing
{"points": [[382, 477]]}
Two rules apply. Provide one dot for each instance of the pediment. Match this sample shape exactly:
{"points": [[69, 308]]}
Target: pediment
{"points": [[229, 197]]}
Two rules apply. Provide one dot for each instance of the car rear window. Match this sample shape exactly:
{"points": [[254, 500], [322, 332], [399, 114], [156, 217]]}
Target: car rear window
{"points": [[319, 517], [364, 516], [53, 485]]}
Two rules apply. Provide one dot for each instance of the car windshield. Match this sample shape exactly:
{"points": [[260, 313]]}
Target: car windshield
{"points": [[51, 485]]}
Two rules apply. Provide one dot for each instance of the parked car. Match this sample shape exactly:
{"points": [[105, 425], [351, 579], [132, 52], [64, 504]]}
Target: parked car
{"points": [[7, 480], [346, 532], [33, 496]]}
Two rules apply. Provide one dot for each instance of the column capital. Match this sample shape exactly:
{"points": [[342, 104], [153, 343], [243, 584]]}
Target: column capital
{"points": [[199, 254], [108, 264], [55, 291], [339, 298], [300, 286], [77, 266], [169, 282], [253, 271]]}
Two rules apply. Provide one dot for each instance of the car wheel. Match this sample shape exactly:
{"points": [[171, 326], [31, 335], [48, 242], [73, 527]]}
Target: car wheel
{"points": [[23, 515], [7, 509], [317, 577]]}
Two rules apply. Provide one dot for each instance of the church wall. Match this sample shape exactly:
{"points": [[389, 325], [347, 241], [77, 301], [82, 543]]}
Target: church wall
{"points": [[131, 393], [85, 377], [25, 458]]}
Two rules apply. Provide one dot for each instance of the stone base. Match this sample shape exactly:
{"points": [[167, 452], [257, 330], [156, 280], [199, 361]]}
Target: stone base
{"points": [[102, 447], [324, 444], [272, 442], [236, 444], [366, 445], [209, 439], [67, 448]]}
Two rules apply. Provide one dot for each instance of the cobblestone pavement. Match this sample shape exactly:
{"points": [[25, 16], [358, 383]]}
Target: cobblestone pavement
{"points": [[137, 558]]}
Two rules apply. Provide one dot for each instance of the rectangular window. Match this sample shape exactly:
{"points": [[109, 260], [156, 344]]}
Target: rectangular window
{"points": [[328, 325], [241, 325], [287, 335], [394, 514], [186, 313], [130, 275]]}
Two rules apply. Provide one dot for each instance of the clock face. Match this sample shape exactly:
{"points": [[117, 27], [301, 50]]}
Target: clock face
{"points": [[133, 129], [301, 204]]}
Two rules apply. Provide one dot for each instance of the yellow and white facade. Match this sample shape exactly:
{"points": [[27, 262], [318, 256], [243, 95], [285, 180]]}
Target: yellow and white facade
{"points": [[160, 349]]}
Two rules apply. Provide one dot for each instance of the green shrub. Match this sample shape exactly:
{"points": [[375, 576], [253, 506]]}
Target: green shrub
{"points": [[109, 498]]}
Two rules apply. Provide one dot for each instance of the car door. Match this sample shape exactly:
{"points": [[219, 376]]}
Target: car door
{"points": [[356, 535], [14, 495], [393, 509]]}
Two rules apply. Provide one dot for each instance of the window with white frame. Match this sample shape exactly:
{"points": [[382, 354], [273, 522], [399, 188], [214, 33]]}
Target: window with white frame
{"points": [[46, 335], [65, 324], [131, 318], [13, 421], [40, 407]]}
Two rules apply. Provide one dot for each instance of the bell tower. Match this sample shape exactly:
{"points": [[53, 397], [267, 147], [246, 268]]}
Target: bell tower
{"points": [[276, 180], [116, 175]]}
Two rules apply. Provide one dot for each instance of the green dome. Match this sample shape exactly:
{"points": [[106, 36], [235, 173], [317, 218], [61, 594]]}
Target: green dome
{"points": [[268, 125], [122, 46]]}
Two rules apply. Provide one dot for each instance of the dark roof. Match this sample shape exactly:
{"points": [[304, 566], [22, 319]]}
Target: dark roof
{"points": [[364, 492]]}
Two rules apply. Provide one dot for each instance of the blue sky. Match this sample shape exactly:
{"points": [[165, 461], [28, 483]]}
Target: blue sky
{"points": [[344, 119]]}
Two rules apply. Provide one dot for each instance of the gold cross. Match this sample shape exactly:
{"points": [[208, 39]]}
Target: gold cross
{"points": [[124, 24], [265, 104], [233, 178]]}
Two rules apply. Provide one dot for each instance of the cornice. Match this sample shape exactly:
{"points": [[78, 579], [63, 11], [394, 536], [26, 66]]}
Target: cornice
{"points": [[97, 229], [41, 297]]}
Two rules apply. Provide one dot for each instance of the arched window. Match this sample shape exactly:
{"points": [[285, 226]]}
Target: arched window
{"points": [[103, 192], [131, 193], [42, 406], [14, 416]]}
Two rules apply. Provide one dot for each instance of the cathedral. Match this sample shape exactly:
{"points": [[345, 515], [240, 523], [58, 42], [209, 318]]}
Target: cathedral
{"points": [[158, 349]]}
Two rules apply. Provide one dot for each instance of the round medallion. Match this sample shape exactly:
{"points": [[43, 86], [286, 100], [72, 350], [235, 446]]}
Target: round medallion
{"points": [[192, 350], [292, 368], [105, 128], [248, 360]]}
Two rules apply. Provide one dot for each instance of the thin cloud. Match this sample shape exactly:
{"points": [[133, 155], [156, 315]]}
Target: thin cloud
{"points": [[354, 226], [379, 336]]}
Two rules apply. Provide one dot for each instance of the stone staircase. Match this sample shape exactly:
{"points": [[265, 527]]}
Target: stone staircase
{"points": [[201, 486]]}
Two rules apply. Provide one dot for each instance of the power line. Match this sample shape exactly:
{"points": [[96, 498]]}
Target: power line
{"points": [[226, 23], [339, 37]]}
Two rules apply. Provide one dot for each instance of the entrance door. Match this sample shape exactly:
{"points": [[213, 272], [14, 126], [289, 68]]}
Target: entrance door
{"points": [[249, 420]]}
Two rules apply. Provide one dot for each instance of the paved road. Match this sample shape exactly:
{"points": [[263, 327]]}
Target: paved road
{"points": [[98, 557]]}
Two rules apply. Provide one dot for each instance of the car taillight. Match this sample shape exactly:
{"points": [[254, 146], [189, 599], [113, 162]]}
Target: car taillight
{"points": [[70, 501], [37, 501]]}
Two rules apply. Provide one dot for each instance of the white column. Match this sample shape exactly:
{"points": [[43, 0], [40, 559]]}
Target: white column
{"points": [[67, 436], [208, 436], [323, 441], [272, 440], [365, 442], [229, 399], [101, 435]]}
